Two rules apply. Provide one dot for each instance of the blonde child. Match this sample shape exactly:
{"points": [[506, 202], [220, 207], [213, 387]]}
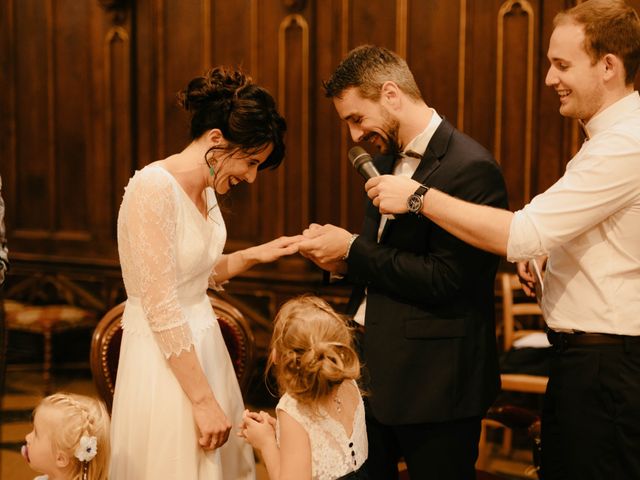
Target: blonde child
{"points": [[320, 431], [70, 438]]}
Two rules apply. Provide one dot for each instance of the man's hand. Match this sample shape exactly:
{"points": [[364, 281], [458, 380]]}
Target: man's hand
{"points": [[325, 245], [390, 192], [527, 276]]}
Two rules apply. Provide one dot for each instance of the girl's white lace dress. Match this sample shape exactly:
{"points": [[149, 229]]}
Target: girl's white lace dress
{"points": [[334, 453], [167, 253]]}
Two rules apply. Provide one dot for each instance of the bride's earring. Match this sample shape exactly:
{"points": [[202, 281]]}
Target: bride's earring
{"points": [[211, 170]]}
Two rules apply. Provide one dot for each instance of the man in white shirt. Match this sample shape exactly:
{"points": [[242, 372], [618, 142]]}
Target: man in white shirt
{"points": [[588, 224], [424, 300]]}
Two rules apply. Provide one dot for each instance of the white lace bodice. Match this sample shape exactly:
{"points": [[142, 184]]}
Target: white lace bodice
{"points": [[333, 453], [167, 251]]}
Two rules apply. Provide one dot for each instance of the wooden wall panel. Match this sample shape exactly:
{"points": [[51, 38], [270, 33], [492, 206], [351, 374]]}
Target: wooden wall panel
{"points": [[53, 167], [436, 69], [33, 90], [513, 127], [294, 65], [71, 119], [329, 170], [87, 91]]}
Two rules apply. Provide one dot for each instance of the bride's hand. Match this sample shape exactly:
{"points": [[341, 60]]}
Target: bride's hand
{"points": [[273, 250], [213, 425]]}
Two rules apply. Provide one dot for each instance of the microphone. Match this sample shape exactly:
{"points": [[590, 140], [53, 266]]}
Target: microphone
{"points": [[363, 162]]}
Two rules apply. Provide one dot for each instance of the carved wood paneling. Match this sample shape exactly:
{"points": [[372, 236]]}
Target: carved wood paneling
{"points": [[293, 95], [87, 91], [514, 85], [437, 70]]}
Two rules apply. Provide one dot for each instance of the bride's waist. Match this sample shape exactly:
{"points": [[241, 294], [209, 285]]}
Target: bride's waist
{"points": [[183, 300], [196, 310]]}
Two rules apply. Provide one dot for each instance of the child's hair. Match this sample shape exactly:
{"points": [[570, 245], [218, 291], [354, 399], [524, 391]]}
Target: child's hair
{"points": [[86, 417], [311, 349]]}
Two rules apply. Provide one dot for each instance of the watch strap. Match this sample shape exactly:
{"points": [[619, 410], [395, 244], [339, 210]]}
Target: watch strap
{"points": [[422, 189]]}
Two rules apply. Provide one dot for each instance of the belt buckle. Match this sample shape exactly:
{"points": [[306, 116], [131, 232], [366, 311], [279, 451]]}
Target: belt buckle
{"points": [[559, 340], [564, 341]]}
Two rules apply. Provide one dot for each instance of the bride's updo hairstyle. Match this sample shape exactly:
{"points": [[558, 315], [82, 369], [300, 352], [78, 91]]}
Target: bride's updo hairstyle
{"points": [[311, 350], [245, 113]]}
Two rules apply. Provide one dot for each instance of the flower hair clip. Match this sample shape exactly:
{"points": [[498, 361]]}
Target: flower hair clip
{"points": [[87, 449], [85, 452]]}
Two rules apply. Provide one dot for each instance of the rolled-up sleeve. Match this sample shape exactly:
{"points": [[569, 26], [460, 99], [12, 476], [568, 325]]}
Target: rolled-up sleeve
{"points": [[598, 183], [524, 241]]}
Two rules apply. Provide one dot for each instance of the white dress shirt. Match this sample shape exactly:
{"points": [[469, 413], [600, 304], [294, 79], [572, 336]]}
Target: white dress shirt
{"points": [[405, 166], [588, 223]]}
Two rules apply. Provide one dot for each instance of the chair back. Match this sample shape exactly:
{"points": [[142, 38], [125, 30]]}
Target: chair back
{"points": [[513, 312], [107, 338], [518, 320]]}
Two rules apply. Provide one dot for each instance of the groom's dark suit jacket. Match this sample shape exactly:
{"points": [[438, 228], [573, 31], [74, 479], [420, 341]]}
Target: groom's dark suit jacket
{"points": [[429, 346]]}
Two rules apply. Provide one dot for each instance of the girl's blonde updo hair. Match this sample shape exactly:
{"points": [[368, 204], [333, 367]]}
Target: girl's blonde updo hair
{"points": [[81, 416], [311, 349]]}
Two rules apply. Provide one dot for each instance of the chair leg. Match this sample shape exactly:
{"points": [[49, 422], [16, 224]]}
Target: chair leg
{"points": [[507, 440], [46, 369]]}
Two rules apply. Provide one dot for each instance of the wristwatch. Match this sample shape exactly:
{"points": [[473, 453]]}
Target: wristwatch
{"points": [[414, 202]]}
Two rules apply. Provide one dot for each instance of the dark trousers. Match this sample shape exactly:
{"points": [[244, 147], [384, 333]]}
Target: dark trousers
{"points": [[439, 451], [591, 414]]}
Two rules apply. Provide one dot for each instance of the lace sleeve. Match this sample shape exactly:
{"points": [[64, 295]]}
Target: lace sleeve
{"points": [[151, 214], [212, 281]]}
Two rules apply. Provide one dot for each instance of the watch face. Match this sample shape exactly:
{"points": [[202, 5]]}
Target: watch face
{"points": [[414, 203]]}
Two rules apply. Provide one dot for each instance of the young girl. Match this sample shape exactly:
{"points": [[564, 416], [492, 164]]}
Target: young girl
{"points": [[320, 433], [70, 438]]}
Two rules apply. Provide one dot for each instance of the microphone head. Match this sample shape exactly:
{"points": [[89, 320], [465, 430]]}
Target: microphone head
{"points": [[357, 156], [363, 163]]}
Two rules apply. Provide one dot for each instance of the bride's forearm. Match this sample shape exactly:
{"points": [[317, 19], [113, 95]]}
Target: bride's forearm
{"points": [[191, 377], [232, 264], [235, 263]]}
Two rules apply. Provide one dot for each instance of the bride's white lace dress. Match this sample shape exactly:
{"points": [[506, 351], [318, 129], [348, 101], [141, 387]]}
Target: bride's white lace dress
{"points": [[167, 253]]}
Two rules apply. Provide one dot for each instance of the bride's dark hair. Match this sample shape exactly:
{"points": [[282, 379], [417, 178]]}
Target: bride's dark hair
{"points": [[245, 113]]}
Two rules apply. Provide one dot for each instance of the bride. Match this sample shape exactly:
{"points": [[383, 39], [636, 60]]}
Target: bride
{"points": [[176, 394]]}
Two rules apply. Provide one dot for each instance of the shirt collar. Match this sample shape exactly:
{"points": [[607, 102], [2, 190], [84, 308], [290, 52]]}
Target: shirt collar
{"points": [[418, 145], [611, 115]]}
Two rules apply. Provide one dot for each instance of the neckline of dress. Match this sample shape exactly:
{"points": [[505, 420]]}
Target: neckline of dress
{"points": [[339, 423], [205, 218]]}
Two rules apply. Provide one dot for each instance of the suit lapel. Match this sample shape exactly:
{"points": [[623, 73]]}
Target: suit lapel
{"points": [[436, 150]]}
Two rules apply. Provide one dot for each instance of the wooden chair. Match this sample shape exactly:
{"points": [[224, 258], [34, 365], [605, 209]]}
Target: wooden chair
{"points": [[107, 337], [512, 330], [510, 418], [519, 319], [47, 305]]}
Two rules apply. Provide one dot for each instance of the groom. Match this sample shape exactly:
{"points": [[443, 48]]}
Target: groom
{"points": [[423, 298]]}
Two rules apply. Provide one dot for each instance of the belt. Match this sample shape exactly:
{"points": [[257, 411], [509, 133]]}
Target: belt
{"points": [[584, 339]]}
